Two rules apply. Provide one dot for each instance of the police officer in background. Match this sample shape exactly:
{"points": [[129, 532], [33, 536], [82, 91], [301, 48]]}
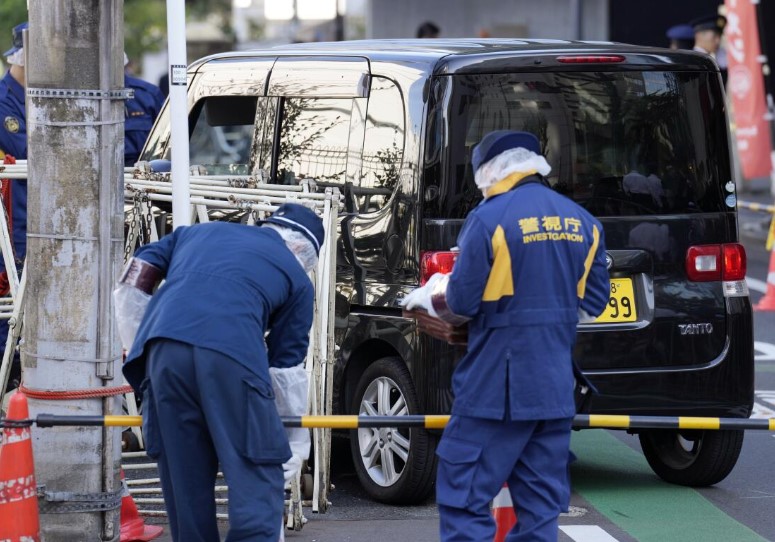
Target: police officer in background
{"points": [[681, 36], [13, 142], [707, 39], [428, 30], [141, 112], [212, 385], [531, 265]]}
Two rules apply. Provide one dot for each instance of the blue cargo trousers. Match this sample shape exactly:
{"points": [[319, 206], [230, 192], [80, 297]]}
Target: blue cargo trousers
{"points": [[202, 408], [477, 456]]}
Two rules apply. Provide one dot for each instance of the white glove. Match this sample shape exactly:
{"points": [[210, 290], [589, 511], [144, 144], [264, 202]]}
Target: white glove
{"points": [[130, 304], [421, 297], [291, 468], [291, 387], [585, 317]]}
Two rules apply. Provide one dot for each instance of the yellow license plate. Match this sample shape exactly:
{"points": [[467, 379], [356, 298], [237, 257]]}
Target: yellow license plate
{"points": [[621, 304]]}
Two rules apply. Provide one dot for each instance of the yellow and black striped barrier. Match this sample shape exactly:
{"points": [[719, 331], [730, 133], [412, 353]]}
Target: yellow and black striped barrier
{"points": [[581, 421], [764, 209], [756, 206]]}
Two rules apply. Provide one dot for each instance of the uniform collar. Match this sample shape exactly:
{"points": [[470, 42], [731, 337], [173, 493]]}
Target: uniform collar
{"points": [[504, 185], [702, 50], [16, 89]]}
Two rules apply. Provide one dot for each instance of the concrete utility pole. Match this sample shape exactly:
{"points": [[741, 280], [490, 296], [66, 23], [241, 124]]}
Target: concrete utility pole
{"points": [[75, 123]]}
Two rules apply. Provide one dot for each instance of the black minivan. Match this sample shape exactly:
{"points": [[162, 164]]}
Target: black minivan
{"points": [[638, 136]]}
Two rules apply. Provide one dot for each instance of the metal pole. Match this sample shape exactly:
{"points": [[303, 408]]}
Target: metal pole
{"points": [[74, 240], [176, 43], [575, 10], [433, 421], [338, 23]]}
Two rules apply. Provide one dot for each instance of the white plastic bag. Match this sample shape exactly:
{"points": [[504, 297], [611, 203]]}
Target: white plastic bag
{"points": [[130, 305], [291, 387]]}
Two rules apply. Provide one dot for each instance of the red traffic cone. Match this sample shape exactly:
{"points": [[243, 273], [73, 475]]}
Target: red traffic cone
{"points": [[19, 521], [503, 513], [767, 303], [133, 528]]}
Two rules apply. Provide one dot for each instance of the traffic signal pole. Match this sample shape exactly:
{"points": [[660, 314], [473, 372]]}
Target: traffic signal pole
{"points": [[70, 353]]}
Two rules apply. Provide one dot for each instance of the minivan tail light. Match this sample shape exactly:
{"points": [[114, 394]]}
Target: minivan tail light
{"points": [[735, 265], [436, 261], [716, 262], [702, 263], [590, 59]]}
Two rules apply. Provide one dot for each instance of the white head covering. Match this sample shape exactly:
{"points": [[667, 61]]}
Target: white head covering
{"points": [[516, 160], [16, 58], [297, 243]]}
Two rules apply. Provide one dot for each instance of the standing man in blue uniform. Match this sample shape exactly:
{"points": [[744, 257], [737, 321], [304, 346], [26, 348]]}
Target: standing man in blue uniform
{"points": [[206, 371], [13, 135], [141, 113], [531, 264], [13, 142]]}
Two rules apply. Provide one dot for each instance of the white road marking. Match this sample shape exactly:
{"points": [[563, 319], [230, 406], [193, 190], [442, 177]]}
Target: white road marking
{"points": [[767, 351], [761, 412], [768, 396], [587, 533], [756, 284]]}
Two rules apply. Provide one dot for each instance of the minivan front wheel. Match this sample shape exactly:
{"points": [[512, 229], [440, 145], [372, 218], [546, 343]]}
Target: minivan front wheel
{"points": [[394, 465], [691, 458]]}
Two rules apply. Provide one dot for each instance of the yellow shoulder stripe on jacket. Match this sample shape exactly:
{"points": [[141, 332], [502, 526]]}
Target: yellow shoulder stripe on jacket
{"points": [[507, 183], [581, 287], [500, 283]]}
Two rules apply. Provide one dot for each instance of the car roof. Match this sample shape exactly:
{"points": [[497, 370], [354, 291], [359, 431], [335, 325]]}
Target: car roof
{"points": [[469, 54]]}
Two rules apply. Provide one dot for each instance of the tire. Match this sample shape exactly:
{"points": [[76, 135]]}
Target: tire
{"points": [[691, 458], [394, 465], [129, 441]]}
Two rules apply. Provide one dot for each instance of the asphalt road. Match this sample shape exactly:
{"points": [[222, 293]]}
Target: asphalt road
{"points": [[616, 495]]}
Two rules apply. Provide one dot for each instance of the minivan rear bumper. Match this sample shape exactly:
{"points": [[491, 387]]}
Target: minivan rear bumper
{"points": [[723, 387]]}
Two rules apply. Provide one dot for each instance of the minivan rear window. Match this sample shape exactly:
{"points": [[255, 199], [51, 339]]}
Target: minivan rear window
{"points": [[619, 143]]}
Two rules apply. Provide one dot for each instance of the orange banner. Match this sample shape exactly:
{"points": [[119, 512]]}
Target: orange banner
{"points": [[746, 86]]}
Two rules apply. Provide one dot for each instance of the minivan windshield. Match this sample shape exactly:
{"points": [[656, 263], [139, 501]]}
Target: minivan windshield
{"points": [[619, 143]]}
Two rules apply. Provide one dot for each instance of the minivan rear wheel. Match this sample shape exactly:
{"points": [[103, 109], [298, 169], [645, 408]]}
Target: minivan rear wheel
{"points": [[394, 465], [691, 458]]}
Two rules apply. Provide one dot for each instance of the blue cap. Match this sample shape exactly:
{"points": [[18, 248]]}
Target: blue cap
{"points": [[496, 142], [680, 32], [709, 22], [18, 38], [160, 165], [299, 218]]}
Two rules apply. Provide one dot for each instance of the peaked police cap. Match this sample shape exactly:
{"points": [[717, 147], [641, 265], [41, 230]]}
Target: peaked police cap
{"points": [[680, 32], [299, 218], [18, 38], [496, 142], [709, 22]]}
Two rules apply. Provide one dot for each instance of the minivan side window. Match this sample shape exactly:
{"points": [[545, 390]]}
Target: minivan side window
{"points": [[222, 134], [314, 135], [383, 146]]}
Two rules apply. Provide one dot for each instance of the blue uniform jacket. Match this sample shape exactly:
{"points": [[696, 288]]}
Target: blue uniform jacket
{"points": [[226, 285], [529, 259], [141, 112], [13, 141]]}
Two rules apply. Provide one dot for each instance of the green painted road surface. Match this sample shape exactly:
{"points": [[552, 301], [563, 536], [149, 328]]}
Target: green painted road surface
{"points": [[618, 483]]}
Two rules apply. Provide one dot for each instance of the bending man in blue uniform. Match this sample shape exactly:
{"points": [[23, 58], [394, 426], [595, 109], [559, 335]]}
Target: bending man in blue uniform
{"points": [[211, 382], [531, 264]]}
